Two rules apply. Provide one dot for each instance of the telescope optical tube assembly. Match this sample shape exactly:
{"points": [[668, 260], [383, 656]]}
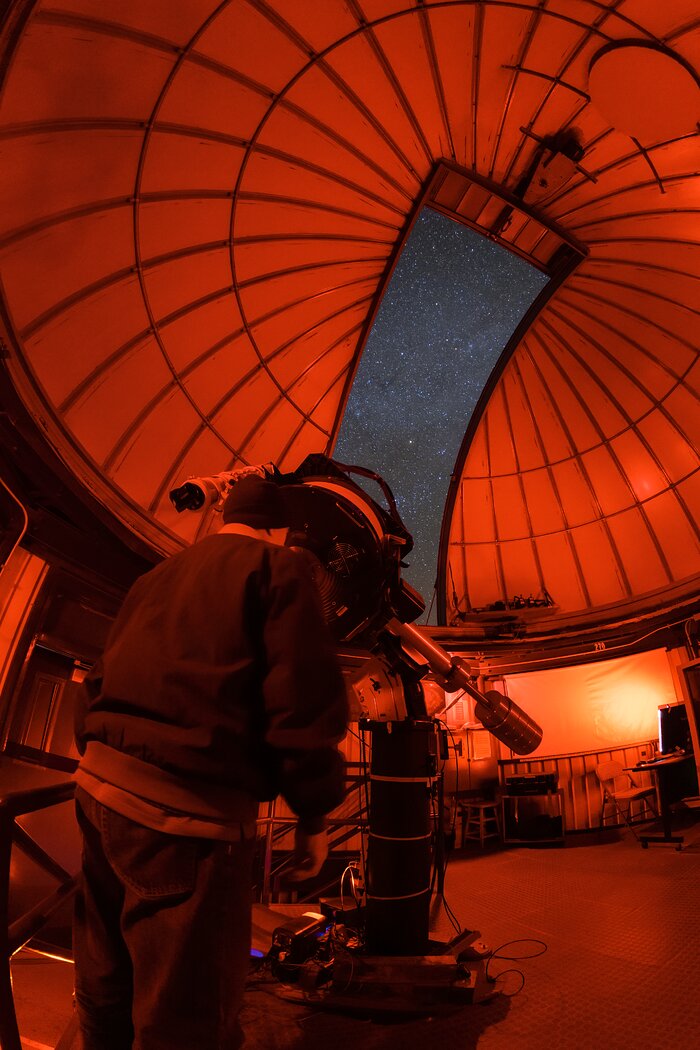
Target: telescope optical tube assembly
{"points": [[496, 712]]}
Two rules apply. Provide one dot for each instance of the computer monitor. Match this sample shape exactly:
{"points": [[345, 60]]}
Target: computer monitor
{"points": [[674, 731]]}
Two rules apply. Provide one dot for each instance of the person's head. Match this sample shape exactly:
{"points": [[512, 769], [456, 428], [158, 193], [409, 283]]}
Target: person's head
{"points": [[257, 504]]}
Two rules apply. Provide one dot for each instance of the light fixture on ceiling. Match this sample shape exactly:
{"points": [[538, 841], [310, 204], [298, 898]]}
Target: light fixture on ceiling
{"points": [[645, 90]]}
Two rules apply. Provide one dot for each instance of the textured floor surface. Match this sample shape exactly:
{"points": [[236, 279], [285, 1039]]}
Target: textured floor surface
{"points": [[621, 970]]}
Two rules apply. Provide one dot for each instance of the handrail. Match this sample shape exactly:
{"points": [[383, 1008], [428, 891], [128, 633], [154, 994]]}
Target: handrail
{"points": [[18, 803], [574, 754], [276, 827], [583, 795], [29, 924], [13, 936]]}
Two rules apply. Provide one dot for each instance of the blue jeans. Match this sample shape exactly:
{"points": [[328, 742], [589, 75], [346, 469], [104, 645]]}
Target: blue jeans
{"points": [[161, 936]]}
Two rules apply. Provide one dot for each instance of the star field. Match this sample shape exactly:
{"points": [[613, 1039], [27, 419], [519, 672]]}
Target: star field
{"points": [[453, 302]]}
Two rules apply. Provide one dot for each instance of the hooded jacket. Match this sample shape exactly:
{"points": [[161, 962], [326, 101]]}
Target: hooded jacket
{"points": [[219, 687]]}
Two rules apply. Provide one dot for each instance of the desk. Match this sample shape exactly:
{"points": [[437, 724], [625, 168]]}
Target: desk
{"points": [[663, 770]]}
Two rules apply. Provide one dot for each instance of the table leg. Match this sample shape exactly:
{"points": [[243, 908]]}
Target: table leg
{"points": [[665, 813]]}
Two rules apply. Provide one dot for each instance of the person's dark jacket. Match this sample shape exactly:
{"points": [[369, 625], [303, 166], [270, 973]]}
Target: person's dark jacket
{"points": [[221, 672]]}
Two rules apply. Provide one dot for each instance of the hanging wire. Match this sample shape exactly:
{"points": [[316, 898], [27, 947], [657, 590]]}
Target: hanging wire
{"points": [[453, 918], [353, 733], [454, 921], [25, 525], [454, 748], [364, 806], [691, 643]]}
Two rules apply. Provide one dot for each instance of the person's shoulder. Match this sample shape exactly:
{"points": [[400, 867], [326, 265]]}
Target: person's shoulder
{"points": [[256, 551], [234, 548], [288, 564], [212, 549], [218, 542], [284, 557]]}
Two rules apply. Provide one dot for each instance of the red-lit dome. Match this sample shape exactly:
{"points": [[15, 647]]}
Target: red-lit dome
{"points": [[202, 202]]}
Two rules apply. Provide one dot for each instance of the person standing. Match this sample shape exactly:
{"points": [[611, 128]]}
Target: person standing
{"points": [[219, 687]]}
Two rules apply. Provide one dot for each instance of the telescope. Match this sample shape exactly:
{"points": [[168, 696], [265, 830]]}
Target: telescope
{"points": [[354, 549]]}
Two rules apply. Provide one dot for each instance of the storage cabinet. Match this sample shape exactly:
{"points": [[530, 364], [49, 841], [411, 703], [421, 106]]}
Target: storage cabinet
{"points": [[528, 819]]}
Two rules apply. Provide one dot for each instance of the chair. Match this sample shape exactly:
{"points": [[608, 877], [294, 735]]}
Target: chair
{"points": [[620, 789], [480, 820]]}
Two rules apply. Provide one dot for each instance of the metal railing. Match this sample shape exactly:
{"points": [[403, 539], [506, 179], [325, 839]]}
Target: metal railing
{"points": [[17, 933], [341, 829], [576, 776]]}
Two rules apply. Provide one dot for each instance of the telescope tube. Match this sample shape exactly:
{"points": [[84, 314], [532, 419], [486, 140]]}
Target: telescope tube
{"points": [[496, 712]]}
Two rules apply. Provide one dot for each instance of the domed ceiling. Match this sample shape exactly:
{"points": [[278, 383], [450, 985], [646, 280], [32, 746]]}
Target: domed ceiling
{"points": [[202, 203]]}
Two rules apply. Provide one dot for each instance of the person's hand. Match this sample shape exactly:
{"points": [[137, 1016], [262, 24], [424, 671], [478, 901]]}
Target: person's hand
{"points": [[310, 851]]}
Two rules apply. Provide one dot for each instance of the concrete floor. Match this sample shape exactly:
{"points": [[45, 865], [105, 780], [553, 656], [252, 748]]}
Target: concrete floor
{"points": [[621, 969], [43, 992]]}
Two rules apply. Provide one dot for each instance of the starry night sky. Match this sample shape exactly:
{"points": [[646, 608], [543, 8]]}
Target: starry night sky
{"points": [[452, 304]]}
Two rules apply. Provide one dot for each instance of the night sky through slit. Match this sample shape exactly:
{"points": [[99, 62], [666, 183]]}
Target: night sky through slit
{"points": [[453, 302]]}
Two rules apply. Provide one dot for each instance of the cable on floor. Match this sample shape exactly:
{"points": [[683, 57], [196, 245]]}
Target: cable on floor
{"points": [[496, 954]]}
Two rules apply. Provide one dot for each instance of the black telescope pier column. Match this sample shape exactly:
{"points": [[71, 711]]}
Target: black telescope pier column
{"points": [[399, 853]]}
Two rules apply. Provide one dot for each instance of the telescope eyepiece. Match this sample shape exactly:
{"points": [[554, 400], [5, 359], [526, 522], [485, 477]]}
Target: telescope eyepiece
{"points": [[187, 497]]}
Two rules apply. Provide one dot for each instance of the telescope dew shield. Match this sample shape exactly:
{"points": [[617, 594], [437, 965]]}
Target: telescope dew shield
{"points": [[508, 722], [399, 852]]}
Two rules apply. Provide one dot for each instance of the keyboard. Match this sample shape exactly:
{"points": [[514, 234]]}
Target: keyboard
{"points": [[661, 758]]}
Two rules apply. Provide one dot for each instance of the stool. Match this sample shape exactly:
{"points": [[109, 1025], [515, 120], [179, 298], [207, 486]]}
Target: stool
{"points": [[480, 820]]}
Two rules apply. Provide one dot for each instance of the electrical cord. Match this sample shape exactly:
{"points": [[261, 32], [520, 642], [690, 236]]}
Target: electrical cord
{"points": [[454, 748], [353, 733], [364, 763], [518, 990], [452, 917], [350, 870], [454, 921], [363, 786], [496, 954]]}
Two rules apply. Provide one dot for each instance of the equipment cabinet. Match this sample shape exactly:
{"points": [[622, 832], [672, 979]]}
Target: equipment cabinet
{"points": [[533, 818]]}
